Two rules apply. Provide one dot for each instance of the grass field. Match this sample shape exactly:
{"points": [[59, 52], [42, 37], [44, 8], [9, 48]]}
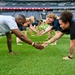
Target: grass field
{"points": [[32, 61]]}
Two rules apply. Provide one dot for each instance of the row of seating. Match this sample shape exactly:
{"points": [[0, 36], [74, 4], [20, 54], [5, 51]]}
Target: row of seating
{"points": [[37, 3], [29, 13]]}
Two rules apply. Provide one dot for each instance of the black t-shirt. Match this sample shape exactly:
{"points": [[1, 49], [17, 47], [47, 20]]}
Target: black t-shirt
{"points": [[56, 25], [71, 31]]}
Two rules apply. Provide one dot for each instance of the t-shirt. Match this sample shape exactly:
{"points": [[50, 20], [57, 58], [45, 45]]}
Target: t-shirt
{"points": [[71, 31], [43, 14], [43, 27], [7, 23], [56, 25]]}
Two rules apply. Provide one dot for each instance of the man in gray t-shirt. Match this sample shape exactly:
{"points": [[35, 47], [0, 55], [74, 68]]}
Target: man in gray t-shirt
{"points": [[43, 15], [8, 25]]}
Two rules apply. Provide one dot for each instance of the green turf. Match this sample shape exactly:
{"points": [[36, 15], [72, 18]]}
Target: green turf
{"points": [[32, 61]]}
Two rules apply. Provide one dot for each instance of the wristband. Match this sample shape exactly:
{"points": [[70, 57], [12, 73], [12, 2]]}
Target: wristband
{"points": [[32, 43]]}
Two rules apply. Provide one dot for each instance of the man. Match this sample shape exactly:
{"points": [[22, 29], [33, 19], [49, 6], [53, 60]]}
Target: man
{"points": [[67, 23], [43, 15], [53, 22], [8, 24]]}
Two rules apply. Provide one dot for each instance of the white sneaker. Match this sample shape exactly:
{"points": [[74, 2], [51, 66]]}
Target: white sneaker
{"points": [[67, 58], [19, 44], [53, 43]]}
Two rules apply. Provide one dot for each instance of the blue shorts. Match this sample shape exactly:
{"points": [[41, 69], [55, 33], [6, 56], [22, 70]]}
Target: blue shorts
{"points": [[22, 28], [35, 23]]}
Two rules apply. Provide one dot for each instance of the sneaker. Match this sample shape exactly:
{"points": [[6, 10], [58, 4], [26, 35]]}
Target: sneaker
{"points": [[19, 44], [53, 43], [67, 58]]}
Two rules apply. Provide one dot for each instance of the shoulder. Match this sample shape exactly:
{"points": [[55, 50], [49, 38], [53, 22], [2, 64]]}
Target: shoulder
{"points": [[72, 22], [56, 20], [73, 19]]}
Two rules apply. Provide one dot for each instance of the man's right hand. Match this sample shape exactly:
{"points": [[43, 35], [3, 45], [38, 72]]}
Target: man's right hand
{"points": [[39, 34], [38, 46]]}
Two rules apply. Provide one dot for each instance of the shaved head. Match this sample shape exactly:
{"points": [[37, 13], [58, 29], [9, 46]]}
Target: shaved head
{"points": [[21, 16], [20, 19]]}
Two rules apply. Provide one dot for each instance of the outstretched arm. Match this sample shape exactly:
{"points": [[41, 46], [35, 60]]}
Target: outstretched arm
{"points": [[33, 28], [46, 30], [53, 39], [18, 33]]}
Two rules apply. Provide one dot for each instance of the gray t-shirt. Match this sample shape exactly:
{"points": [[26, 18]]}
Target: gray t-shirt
{"points": [[43, 14], [7, 24]]}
